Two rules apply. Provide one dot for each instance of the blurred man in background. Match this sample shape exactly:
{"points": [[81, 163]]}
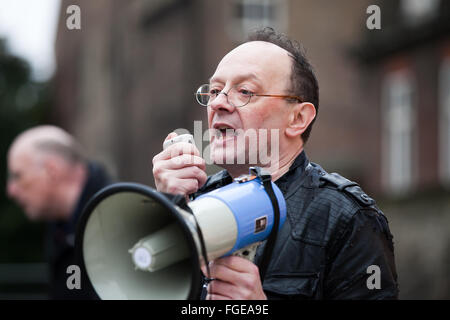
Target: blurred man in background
{"points": [[50, 178]]}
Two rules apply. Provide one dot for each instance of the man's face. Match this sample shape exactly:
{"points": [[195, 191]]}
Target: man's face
{"points": [[28, 184], [261, 68]]}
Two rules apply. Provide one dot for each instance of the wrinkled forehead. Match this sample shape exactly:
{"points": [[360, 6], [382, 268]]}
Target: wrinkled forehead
{"points": [[263, 60]]}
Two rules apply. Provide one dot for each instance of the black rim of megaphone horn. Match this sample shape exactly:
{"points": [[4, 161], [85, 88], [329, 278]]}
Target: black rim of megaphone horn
{"points": [[196, 283]]}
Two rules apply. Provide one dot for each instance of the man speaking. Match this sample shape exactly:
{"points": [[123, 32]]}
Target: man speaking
{"points": [[335, 243]]}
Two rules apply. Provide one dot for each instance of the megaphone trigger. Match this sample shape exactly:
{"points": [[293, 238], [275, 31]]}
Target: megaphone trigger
{"points": [[248, 252]]}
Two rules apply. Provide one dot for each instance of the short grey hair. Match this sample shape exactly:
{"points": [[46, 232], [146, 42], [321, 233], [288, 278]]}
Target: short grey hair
{"points": [[71, 152]]}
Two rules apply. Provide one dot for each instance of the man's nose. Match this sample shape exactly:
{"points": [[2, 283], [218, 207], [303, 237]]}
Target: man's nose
{"points": [[221, 103]]}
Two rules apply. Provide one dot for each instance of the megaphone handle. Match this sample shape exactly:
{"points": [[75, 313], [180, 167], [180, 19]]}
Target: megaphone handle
{"points": [[248, 252]]}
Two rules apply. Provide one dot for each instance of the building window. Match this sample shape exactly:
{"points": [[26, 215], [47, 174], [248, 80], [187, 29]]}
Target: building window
{"points": [[415, 12], [444, 122], [398, 119], [248, 15]]}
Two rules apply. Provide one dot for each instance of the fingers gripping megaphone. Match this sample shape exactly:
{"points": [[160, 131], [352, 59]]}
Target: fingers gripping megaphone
{"points": [[137, 243]]}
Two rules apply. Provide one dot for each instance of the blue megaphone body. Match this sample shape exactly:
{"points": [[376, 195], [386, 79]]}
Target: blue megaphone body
{"points": [[252, 208]]}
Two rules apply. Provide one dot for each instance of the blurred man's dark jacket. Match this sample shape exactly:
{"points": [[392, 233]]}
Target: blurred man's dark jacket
{"points": [[60, 243], [332, 234]]}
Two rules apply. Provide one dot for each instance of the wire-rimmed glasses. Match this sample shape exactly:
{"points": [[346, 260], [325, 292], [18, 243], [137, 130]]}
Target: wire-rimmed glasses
{"points": [[236, 96]]}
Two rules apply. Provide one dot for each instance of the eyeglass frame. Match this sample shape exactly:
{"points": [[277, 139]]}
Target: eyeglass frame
{"points": [[250, 96]]}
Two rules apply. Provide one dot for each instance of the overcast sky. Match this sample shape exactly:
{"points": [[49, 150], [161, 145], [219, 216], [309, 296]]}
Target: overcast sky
{"points": [[30, 29]]}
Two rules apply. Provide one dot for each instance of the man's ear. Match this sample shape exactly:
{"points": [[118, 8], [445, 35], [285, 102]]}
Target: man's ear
{"points": [[302, 114], [52, 167]]}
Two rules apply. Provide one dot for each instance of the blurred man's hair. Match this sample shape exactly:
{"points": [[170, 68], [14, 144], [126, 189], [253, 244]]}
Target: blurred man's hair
{"points": [[51, 140], [71, 152], [303, 80]]}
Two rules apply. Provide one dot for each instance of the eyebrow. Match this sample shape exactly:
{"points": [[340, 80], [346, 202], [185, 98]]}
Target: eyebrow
{"points": [[239, 78]]}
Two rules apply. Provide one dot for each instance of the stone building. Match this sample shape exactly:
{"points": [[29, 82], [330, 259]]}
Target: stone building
{"points": [[127, 78]]}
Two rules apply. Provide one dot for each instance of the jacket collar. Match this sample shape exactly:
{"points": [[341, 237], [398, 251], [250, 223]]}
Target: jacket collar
{"points": [[222, 178], [295, 171]]}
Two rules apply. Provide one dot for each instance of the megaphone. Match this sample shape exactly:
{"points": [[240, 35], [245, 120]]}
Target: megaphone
{"points": [[137, 243]]}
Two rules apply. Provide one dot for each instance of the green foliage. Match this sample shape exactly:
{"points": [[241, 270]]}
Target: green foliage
{"points": [[23, 104]]}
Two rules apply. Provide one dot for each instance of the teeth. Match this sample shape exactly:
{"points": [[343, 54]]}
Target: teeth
{"points": [[225, 131]]}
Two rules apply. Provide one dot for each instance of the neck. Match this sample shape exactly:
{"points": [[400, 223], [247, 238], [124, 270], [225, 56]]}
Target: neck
{"points": [[277, 168], [70, 191]]}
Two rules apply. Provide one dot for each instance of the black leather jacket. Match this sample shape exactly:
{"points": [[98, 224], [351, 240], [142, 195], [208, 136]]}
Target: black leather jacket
{"points": [[60, 248], [333, 233]]}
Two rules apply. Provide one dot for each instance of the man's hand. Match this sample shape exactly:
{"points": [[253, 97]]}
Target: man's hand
{"points": [[179, 169], [235, 278]]}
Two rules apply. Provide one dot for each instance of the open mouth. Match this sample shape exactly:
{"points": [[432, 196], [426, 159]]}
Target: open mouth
{"points": [[224, 131]]}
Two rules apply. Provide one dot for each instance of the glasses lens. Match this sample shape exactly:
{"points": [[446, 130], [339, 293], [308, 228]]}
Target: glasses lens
{"points": [[202, 95], [239, 97]]}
